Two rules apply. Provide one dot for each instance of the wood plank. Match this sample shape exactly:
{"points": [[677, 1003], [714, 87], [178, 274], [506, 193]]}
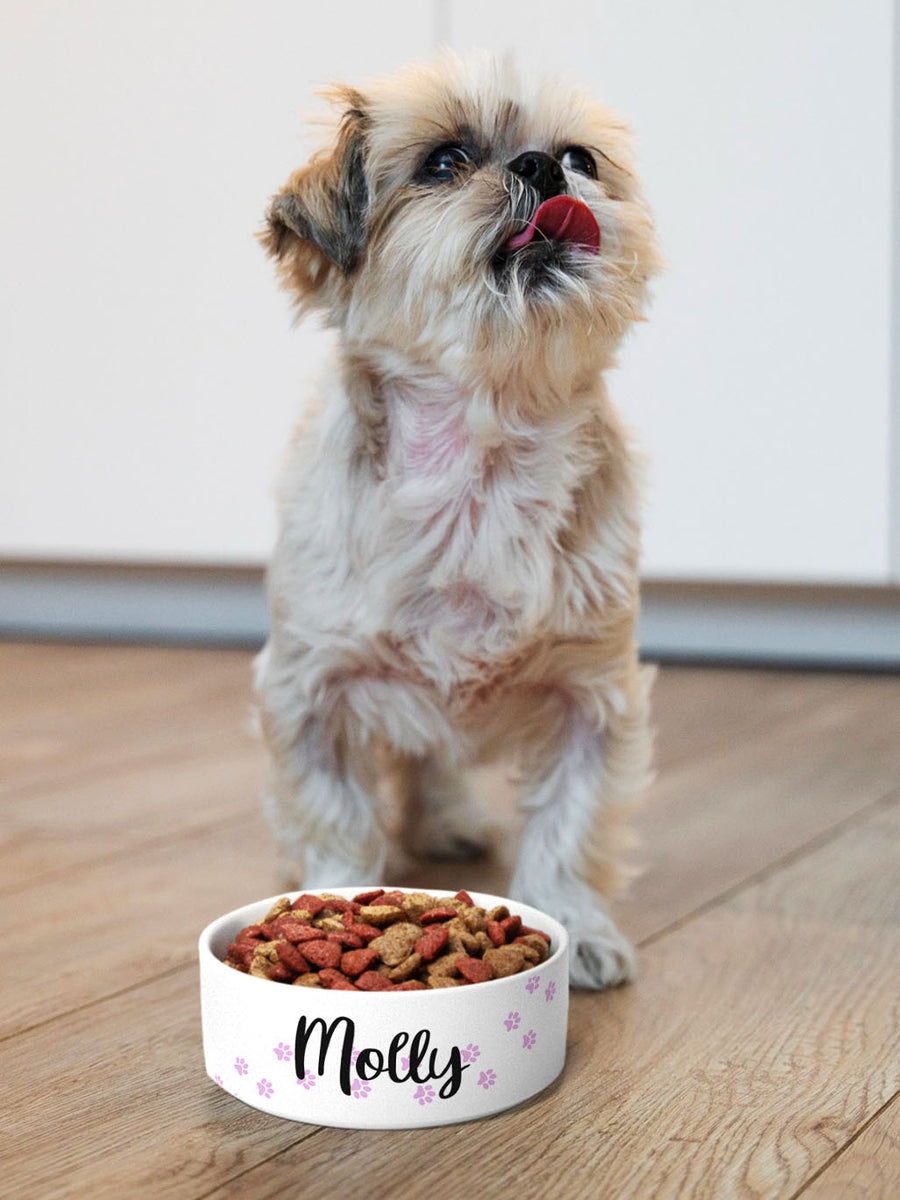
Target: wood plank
{"points": [[760, 1037], [869, 1169], [100, 715], [113, 1102], [715, 820]]}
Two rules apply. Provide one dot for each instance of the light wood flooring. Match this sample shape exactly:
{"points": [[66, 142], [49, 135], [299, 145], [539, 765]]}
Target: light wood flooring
{"points": [[758, 1055]]}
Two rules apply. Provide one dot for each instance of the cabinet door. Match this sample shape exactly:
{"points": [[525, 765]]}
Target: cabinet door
{"points": [[149, 373], [761, 385]]}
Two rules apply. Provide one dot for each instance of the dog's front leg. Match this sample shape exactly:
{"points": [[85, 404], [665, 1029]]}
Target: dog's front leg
{"points": [[574, 776]]}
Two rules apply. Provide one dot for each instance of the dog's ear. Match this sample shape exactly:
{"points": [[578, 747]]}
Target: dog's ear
{"points": [[316, 226]]}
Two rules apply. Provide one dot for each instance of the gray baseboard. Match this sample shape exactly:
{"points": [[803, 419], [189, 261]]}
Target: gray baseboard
{"points": [[695, 622]]}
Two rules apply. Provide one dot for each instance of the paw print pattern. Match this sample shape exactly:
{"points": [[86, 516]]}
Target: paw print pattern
{"points": [[308, 1080], [219, 1081], [487, 1079], [264, 1088], [240, 1065], [360, 1090], [529, 1039], [470, 1053], [404, 1063], [424, 1094], [512, 1022], [550, 990], [283, 1052], [533, 984], [354, 1055]]}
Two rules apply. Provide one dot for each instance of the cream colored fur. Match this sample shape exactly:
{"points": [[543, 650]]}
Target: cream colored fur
{"points": [[456, 573]]}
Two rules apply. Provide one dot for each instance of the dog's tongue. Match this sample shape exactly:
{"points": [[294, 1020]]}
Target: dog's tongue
{"points": [[561, 219]]}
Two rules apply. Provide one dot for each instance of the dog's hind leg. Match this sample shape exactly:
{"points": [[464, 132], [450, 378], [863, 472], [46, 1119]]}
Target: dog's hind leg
{"points": [[444, 819]]}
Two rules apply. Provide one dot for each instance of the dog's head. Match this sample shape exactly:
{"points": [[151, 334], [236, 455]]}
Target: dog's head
{"points": [[460, 211]]}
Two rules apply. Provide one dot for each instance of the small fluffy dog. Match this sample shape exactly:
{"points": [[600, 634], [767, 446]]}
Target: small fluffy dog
{"points": [[456, 573]]}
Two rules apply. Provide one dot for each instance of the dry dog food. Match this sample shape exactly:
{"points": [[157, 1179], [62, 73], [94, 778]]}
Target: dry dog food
{"points": [[384, 941]]}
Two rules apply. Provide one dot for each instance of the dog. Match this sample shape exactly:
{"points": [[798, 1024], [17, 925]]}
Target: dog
{"points": [[455, 578]]}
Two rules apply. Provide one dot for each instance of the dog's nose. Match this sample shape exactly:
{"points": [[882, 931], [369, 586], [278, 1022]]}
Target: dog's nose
{"points": [[540, 170]]}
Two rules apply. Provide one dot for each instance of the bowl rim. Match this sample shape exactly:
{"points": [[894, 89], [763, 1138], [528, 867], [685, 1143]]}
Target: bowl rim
{"points": [[557, 931]]}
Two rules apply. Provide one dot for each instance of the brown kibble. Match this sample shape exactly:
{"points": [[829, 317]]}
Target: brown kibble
{"points": [[280, 906], [537, 943], [417, 903], [380, 914], [500, 913], [442, 981], [396, 943], [445, 965], [404, 970], [264, 956], [506, 960], [309, 980]]}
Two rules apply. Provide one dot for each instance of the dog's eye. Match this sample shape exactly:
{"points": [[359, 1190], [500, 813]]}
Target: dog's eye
{"points": [[576, 158], [446, 163]]}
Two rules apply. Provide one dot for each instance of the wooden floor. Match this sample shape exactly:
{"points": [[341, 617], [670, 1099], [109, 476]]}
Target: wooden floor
{"points": [[758, 1055]]}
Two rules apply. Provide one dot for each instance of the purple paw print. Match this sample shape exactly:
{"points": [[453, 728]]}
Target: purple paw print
{"points": [[529, 1039], [424, 1094], [550, 990], [308, 1080], [512, 1022], [533, 984], [283, 1052], [360, 1090], [240, 1065], [265, 1088], [354, 1055], [470, 1053], [404, 1063], [487, 1079], [219, 1081]]}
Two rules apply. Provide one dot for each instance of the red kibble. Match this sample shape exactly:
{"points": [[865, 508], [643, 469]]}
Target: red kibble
{"points": [[335, 981], [251, 933], [368, 897], [496, 932], [312, 904], [393, 898], [341, 906], [411, 985], [465, 897], [437, 914], [281, 973], [539, 932], [511, 926], [349, 941], [242, 952], [431, 943], [476, 970], [374, 981], [292, 958], [295, 931], [366, 932], [354, 962], [322, 953]]}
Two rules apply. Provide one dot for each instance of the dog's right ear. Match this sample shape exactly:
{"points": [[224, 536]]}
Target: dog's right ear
{"points": [[317, 225]]}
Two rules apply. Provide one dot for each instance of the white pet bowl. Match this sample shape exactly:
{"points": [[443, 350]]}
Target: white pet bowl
{"points": [[394, 1060]]}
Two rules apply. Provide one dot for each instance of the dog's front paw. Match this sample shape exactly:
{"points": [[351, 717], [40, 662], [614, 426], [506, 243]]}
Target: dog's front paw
{"points": [[600, 958]]}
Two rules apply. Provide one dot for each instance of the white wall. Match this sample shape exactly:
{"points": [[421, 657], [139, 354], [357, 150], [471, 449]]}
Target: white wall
{"points": [[148, 374], [761, 386]]}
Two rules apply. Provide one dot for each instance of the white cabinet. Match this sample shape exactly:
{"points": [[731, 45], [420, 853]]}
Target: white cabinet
{"points": [[761, 387], [149, 374]]}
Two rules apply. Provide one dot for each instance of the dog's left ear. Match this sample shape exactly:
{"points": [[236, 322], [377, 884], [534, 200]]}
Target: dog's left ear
{"points": [[317, 224]]}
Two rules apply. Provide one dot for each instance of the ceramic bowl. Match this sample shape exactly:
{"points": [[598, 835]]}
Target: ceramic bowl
{"points": [[383, 1060]]}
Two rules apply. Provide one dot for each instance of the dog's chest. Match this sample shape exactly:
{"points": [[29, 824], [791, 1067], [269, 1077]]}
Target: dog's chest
{"points": [[466, 545]]}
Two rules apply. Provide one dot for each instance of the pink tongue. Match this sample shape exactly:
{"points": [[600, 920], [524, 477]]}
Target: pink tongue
{"points": [[561, 219]]}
